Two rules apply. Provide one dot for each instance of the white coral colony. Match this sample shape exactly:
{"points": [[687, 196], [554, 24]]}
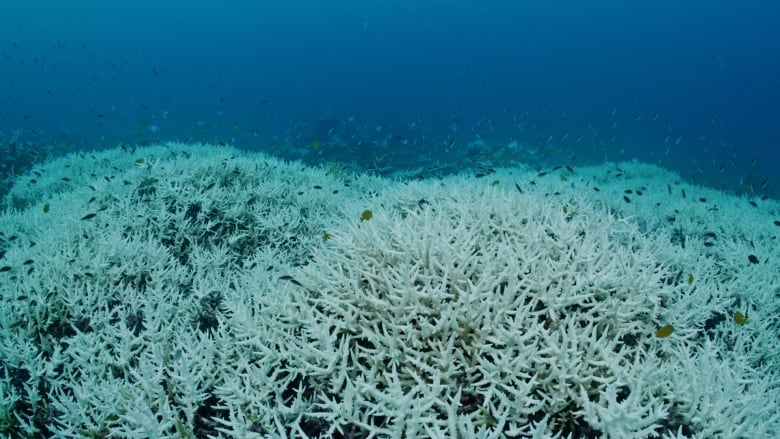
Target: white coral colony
{"points": [[197, 291]]}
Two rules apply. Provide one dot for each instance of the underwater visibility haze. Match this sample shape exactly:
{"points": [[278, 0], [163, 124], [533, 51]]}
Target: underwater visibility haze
{"points": [[691, 86], [389, 218]]}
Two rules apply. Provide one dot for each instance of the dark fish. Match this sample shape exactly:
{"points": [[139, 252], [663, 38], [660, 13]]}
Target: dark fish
{"points": [[521, 191], [27, 262], [541, 174], [5, 268], [683, 192], [154, 70], [753, 203], [595, 188], [753, 259], [290, 279], [88, 216], [626, 199], [703, 200]]}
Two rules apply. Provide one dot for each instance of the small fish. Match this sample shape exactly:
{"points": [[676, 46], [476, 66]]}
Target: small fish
{"points": [[5, 268], [46, 207], [753, 259], [690, 279], [88, 216], [626, 199], [366, 215], [139, 161], [715, 120], [495, 182], [291, 280], [740, 318], [521, 191], [763, 183], [664, 331], [325, 237], [315, 144]]}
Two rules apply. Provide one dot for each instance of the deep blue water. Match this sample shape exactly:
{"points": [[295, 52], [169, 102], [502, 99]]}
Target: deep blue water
{"points": [[692, 85]]}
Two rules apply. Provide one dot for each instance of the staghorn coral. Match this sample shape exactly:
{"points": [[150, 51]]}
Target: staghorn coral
{"points": [[201, 300]]}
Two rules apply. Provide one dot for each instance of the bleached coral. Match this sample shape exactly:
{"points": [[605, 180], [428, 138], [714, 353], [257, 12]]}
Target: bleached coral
{"points": [[201, 292]]}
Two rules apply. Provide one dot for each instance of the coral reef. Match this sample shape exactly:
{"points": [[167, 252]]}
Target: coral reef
{"points": [[195, 291]]}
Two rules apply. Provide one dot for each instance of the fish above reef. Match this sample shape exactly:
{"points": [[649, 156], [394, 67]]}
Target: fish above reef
{"points": [[366, 215], [664, 331]]}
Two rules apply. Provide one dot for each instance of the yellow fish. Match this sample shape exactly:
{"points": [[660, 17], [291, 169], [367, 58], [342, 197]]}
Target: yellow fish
{"points": [[664, 331], [366, 215], [740, 318]]}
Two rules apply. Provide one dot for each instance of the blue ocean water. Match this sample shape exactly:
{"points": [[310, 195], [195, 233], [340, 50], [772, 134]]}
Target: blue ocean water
{"points": [[692, 85]]}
